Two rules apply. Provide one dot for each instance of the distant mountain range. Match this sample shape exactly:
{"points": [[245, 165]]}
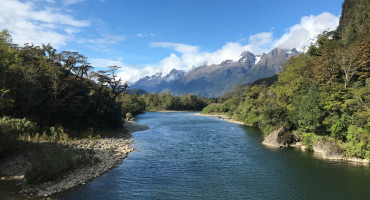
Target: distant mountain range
{"points": [[217, 80]]}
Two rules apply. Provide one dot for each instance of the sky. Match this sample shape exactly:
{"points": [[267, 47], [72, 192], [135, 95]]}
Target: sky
{"points": [[144, 37]]}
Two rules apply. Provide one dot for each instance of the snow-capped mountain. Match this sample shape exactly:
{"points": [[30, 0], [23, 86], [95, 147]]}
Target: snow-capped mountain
{"points": [[216, 80]]}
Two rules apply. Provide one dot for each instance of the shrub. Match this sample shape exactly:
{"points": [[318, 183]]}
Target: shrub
{"points": [[129, 116], [49, 165], [17, 127], [46, 166], [358, 143], [11, 129], [252, 119], [308, 139]]}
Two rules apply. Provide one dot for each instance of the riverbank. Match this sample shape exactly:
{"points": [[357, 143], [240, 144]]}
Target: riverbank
{"points": [[327, 149], [276, 140], [106, 152], [221, 117], [170, 111]]}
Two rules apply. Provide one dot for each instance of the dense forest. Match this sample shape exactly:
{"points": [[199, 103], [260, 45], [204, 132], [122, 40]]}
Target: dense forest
{"points": [[43, 92], [321, 95], [135, 104]]}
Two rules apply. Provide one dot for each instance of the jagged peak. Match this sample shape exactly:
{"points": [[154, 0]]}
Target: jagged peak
{"points": [[226, 62]]}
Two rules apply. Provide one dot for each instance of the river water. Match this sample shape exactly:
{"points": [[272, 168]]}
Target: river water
{"points": [[184, 156]]}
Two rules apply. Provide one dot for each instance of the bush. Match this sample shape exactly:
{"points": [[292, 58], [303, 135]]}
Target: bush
{"points": [[129, 116], [212, 108], [11, 129], [56, 134], [308, 139], [52, 164], [46, 166], [252, 119], [358, 143], [17, 127]]}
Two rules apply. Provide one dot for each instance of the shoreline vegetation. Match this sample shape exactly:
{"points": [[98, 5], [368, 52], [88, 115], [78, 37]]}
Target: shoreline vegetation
{"points": [[105, 154], [59, 115], [277, 139], [320, 100]]}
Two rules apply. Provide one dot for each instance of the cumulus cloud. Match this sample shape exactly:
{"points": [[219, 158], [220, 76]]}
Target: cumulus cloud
{"points": [[129, 73], [44, 25], [297, 36], [300, 34], [191, 56], [182, 48], [186, 57]]}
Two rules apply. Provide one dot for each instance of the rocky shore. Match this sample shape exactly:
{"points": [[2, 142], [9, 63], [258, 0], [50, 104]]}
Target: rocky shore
{"points": [[108, 152], [282, 138], [221, 117]]}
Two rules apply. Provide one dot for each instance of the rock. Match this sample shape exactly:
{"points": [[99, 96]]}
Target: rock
{"points": [[278, 138], [329, 150]]}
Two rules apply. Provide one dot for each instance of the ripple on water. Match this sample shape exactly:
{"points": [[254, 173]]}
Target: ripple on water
{"points": [[183, 156]]}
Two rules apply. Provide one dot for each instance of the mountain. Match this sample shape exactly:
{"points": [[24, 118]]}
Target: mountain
{"points": [[354, 22], [216, 80], [137, 91], [157, 82]]}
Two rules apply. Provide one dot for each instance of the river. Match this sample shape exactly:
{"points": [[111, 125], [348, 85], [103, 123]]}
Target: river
{"points": [[184, 156]]}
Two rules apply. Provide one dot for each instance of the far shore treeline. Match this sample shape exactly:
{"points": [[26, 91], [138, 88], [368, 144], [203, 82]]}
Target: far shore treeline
{"points": [[42, 91], [323, 95]]}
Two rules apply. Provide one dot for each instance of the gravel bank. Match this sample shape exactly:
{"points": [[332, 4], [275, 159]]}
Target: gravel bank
{"points": [[110, 152]]}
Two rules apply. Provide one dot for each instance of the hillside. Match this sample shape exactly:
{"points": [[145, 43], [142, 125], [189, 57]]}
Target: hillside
{"points": [[321, 99]]}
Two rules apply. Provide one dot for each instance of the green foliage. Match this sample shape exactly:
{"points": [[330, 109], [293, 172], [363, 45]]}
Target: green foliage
{"points": [[51, 164], [358, 144], [308, 111], [129, 116], [17, 127], [324, 94], [166, 101], [251, 119], [11, 129], [52, 88], [354, 22], [308, 139], [338, 129]]}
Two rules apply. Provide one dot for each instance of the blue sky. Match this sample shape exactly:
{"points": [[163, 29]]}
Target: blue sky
{"points": [[148, 36]]}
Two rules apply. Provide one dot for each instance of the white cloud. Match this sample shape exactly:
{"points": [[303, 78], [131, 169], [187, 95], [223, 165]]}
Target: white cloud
{"points": [[105, 39], [296, 36], [43, 25], [309, 27], [103, 63], [70, 2], [260, 42], [140, 35], [187, 56], [130, 73], [182, 48]]}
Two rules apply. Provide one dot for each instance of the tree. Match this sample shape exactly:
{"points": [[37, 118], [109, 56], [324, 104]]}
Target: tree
{"points": [[347, 60], [71, 61]]}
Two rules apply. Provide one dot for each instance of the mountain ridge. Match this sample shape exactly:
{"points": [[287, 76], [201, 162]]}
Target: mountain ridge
{"points": [[218, 79]]}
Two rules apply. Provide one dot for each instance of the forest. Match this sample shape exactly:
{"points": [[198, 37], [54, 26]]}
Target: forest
{"points": [[323, 94], [59, 95]]}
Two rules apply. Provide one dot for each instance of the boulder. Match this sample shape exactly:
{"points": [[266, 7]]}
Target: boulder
{"points": [[329, 150], [278, 138]]}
